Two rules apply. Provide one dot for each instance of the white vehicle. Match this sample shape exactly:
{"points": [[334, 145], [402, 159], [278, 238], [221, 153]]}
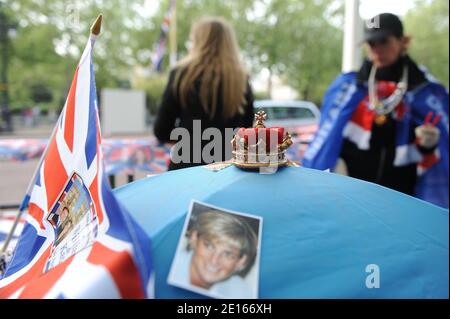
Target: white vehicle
{"points": [[299, 118]]}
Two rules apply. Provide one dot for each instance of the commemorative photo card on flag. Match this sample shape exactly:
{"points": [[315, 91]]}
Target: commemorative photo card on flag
{"points": [[74, 220], [218, 253]]}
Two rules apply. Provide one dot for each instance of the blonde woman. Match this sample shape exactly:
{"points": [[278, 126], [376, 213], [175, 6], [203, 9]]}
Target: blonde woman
{"points": [[209, 88]]}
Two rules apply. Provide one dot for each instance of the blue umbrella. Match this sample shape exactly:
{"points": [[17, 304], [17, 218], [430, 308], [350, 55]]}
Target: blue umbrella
{"points": [[321, 231]]}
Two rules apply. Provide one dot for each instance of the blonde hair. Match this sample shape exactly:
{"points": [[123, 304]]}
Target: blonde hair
{"points": [[214, 57], [229, 228]]}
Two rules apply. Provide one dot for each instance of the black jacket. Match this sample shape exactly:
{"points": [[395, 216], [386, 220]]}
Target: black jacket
{"points": [[171, 115], [377, 163]]}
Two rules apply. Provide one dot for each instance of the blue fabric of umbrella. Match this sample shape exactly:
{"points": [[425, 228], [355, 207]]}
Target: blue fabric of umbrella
{"points": [[320, 231]]}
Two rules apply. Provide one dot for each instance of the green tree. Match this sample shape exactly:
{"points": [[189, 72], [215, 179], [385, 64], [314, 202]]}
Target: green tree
{"points": [[298, 41], [292, 39], [428, 26], [52, 35]]}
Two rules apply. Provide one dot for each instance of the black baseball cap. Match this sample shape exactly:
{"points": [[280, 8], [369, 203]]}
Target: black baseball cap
{"points": [[382, 26]]}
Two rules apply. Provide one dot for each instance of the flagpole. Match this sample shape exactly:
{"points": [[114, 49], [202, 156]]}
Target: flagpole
{"points": [[351, 52], [173, 35], [95, 30]]}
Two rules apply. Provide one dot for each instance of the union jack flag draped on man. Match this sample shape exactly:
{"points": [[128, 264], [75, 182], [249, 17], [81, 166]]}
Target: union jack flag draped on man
{"points": [[344, 114], [78, 242]]}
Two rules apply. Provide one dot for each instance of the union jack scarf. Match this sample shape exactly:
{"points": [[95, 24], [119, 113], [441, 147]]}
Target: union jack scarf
{"points": [[345, 115]]}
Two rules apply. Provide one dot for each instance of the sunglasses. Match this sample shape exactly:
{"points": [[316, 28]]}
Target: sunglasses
{"points": [[382, 41]]}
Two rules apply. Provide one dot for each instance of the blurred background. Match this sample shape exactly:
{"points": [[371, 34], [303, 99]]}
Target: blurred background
{"points": [[292, 49]]}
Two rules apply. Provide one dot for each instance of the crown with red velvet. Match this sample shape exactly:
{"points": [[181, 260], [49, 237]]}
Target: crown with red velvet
{"points": [[260, 146]]}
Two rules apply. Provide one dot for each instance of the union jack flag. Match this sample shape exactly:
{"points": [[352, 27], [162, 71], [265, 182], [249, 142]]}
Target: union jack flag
{"points": [[78, 241], [160, 47], [7, 219]]}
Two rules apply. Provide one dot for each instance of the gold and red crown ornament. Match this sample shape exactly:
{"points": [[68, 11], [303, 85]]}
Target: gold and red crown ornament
{"points": [[260, 146]]}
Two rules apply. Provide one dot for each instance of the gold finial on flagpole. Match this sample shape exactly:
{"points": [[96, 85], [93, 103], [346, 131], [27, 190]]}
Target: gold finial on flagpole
{"points": [[96, 27]]}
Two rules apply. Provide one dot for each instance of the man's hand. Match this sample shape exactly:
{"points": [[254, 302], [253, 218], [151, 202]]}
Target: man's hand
{"points": [[427, 135], [341, 167]]}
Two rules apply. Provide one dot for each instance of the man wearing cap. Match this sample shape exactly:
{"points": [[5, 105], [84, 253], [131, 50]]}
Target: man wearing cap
{"points": [[388, 122]]}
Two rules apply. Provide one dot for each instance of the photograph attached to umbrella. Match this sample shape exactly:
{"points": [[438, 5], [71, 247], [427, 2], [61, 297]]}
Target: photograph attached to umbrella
{"points": [[218, 253]]}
